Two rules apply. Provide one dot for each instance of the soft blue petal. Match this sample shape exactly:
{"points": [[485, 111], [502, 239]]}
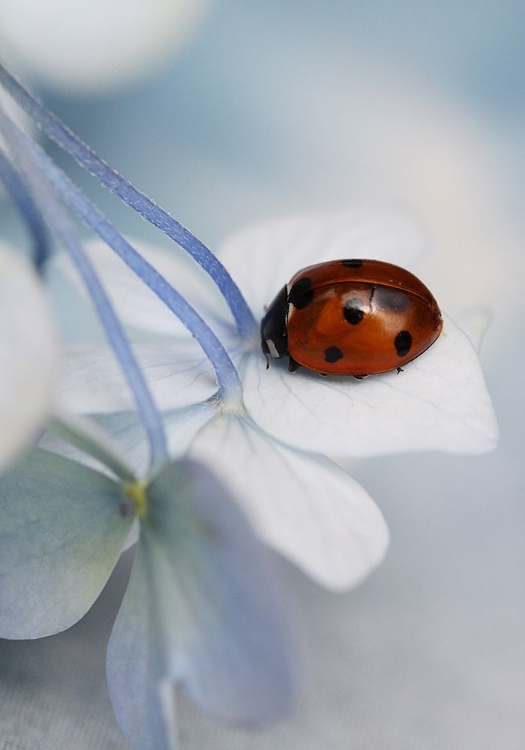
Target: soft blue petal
{"points": [[177, 374], [61, 533], [124, 431], [182, 425], [301, 504], [136, 671], [85, 435], [203, 609]]}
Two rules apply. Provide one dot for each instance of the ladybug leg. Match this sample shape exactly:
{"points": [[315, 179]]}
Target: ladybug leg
{"points": [[399, 369], [360, 377], [293, 365]]}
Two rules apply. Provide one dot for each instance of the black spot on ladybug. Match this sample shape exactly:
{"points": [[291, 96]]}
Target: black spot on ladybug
{"points": [[392, 300], [353, 311], [352, 263], [403, 342], [301, 294], [332, 354]]}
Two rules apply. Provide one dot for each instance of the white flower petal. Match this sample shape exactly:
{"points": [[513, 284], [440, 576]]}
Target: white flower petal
{"points": [[28, 356], [438, 402], [263, 257], [61, 533], [176, 371], [135, 303], [97, 45], [302, 504], [124, 433], [475, 322], [202, 609], [181, 425], [79, 438]]}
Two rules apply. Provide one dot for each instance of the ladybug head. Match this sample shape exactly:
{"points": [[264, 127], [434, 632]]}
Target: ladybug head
{"points": [[274, 331]]}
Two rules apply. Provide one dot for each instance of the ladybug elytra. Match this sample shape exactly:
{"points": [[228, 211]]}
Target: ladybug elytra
{"points": [[351, 317]]}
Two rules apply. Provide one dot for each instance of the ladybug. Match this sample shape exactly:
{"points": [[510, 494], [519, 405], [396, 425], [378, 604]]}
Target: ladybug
{"points": [[351, 317]]}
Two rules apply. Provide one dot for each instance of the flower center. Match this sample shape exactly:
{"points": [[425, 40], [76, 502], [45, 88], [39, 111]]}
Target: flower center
{"points": [[136, 493]]}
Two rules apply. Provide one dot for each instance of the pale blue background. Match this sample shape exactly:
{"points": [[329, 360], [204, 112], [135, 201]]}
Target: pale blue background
{"points": [[429, 653]]}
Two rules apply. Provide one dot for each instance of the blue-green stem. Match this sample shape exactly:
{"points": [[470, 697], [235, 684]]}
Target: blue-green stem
{"points": [[66, 139], [28, 209], [60, 224]]}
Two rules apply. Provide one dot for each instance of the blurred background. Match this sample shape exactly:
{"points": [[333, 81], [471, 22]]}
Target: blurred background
{"points": [[227, 112]]}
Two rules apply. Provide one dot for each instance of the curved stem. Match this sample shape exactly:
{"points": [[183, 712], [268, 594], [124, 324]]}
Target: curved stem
{"points": [[227, 377], [67, 140], [65, 232], [27, 207]]}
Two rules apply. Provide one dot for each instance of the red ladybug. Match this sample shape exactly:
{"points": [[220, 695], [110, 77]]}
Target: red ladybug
{"points": [[351, 317]]}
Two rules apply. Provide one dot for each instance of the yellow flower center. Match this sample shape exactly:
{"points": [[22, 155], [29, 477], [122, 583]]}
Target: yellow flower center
{"points": [[136, 492]]}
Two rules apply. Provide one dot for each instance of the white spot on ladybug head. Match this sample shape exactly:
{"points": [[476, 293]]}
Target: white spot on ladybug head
{"points": [[272, 349]]}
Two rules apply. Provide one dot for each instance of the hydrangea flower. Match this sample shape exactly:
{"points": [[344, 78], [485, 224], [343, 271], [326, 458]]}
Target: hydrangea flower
{"points": [[202, 608], [440, 401], [338, 539], [262, 445], [332, 528], [263, 432]]}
